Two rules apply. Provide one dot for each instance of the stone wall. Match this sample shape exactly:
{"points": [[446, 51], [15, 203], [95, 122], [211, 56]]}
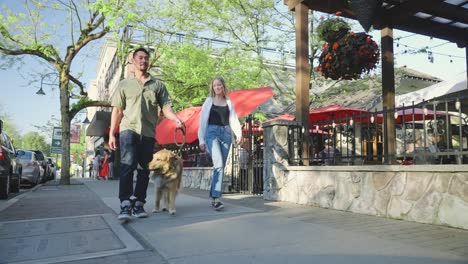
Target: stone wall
{"points": [[436, 194], [200, 178]]}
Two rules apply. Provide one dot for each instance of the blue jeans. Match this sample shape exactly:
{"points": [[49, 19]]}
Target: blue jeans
{"points": [[111, 170], [135, 153], [218, 140]]}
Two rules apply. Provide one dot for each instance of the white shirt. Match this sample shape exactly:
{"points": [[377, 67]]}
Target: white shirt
{"points": [[205, 115]]}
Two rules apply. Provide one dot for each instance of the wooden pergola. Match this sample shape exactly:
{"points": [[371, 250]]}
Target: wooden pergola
{"points": [[443, 19]]}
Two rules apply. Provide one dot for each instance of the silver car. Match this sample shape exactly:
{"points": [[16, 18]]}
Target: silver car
{"points": [[33, 173], [53, 168]]}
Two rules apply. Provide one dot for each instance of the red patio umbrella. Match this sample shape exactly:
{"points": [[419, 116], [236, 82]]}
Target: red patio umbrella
{"points": [[336, 113], [244, 101], [165, 131], [281, 117], [314, 129]]}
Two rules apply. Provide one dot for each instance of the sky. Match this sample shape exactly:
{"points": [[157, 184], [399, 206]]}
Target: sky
{"points": [[21, 103], [18, 98]]}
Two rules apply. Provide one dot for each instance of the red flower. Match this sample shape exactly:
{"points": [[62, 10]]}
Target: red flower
{"points": [[335, 45], [349, 57]]}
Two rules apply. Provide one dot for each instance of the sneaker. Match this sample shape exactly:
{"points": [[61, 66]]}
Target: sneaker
{"points": [[218, 205], [125, 211], [138, 210]]}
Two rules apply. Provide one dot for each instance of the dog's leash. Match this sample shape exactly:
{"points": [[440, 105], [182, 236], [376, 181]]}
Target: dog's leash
{"points": [[179, 152], [182, 129]]}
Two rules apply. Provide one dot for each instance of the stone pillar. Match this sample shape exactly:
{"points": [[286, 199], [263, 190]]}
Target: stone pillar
{"points": [[275, 156]]}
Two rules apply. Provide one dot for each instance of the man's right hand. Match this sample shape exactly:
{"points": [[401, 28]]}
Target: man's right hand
{"points": [[112, 142]]}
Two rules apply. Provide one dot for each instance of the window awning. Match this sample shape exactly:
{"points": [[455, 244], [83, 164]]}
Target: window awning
{"points": [[99, 126]]}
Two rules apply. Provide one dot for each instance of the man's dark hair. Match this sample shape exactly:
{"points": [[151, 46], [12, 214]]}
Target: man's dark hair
{"points": [[141, 49]]}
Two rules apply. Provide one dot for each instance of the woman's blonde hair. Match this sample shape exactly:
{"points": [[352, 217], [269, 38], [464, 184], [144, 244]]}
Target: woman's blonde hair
{"points": [[225, 89]]}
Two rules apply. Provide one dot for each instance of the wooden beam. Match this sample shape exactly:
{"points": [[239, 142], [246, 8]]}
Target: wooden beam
{"points": [[389, 17], [292, 4], [388, 94], [436, 30], [437, 8], [407, 9], [330, 6], [302, 71]]}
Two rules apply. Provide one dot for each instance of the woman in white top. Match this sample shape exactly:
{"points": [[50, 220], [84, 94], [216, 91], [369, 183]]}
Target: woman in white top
{"points": [[219, 127]]}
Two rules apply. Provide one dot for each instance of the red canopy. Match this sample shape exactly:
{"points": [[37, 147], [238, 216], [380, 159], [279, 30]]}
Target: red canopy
{"points": [[419, 114], [244, 101], [334, 112]]}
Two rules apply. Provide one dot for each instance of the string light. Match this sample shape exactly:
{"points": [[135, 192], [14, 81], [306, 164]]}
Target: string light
{"points": [[430, 54], [430, 57]]}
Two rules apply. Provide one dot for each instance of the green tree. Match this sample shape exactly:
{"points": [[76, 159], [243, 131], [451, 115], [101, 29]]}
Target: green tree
{"points": [[187, 71], [28, 33], [250, 26], [10, 128], [187, 63], [34, 141]]}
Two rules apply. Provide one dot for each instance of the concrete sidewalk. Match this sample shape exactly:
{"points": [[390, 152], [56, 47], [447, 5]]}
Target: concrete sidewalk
{"points": [[77, 224]]}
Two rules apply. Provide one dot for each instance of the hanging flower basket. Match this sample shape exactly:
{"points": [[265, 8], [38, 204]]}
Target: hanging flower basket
{"points": [[332, 29], [349, 57]]}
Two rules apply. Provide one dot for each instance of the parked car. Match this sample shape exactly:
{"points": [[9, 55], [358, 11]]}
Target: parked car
{"points": [[10, 167], [33, 173], [43, 161], [53, 168]]}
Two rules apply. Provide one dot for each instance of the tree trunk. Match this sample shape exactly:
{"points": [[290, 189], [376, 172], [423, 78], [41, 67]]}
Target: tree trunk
{"points": [[65, 112]]}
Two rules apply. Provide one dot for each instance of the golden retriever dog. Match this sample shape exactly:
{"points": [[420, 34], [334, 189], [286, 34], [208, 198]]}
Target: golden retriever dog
{"points": [[166, 172]]}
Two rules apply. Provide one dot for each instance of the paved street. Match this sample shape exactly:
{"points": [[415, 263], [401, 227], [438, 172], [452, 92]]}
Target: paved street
{"points": [[77, 224]]}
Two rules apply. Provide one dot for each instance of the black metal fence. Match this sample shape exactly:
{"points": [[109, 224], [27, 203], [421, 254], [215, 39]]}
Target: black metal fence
{"points": [[432, 132], [247, 160]]}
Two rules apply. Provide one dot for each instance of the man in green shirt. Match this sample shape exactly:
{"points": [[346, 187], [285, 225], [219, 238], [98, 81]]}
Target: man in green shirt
{"points": [[135, 110]]}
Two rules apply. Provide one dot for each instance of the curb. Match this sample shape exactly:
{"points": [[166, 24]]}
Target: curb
{"points": [[12, 201]]}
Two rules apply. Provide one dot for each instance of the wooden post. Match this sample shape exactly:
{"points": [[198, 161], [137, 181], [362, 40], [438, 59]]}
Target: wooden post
{"points": [[388, 94], [302, 73]]}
